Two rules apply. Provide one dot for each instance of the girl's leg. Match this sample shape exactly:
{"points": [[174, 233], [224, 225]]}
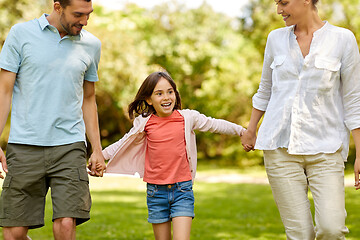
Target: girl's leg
{"points": [[162, 231], [181, 228], [290, 190], [326, 180]]}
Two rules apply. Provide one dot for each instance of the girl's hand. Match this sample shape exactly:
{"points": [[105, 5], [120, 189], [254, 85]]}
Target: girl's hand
{"points": [[248, 140], [357, 172]]}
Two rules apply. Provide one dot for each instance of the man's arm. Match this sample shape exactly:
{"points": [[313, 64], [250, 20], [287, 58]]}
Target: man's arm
{"points": [[96, 161], [7, 81]]}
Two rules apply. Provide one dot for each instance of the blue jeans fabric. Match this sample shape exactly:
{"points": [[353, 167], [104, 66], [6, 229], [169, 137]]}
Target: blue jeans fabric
{"points": [[168, 201]]}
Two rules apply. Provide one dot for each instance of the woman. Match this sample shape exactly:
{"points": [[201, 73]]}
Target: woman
{"points": [[310, 94]]}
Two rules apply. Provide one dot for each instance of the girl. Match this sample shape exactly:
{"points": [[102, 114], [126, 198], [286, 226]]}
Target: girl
{"points": [[161, 147], [310, 94]]}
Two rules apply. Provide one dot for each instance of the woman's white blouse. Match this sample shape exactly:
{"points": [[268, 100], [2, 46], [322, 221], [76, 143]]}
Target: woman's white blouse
{"points": [[310, 103]]}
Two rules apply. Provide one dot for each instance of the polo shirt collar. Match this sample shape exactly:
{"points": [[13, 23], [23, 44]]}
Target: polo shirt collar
{"points": [[45, 23]]}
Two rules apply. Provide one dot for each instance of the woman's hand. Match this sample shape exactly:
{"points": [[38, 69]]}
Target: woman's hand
{"points": [[248, 140], [356, 172], [356, 137]]}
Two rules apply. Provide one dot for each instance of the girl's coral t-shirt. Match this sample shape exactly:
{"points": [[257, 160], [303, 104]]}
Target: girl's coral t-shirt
{"points": [[166, 159]]}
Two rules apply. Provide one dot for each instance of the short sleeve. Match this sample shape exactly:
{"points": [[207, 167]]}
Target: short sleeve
{"points": [[91, 74], [10, 56]]}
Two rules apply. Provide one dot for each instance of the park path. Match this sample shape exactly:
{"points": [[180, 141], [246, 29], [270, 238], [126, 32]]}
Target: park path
{"points": [[112, 180], [244, 178], [231, 178]]}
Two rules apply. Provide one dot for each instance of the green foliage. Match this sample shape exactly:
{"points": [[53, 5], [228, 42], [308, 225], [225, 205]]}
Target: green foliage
{"points": [[216, 69], [215, 60], [12, 12]]}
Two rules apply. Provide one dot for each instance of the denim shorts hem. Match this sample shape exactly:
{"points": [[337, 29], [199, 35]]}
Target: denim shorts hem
{"points": [[183, 214], [163, 220]]}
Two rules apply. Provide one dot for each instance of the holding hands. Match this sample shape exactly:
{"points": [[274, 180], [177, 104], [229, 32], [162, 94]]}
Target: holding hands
{"points": [[357, 172], [3, 163], [356, 137], [96, 164], [248, 140]]}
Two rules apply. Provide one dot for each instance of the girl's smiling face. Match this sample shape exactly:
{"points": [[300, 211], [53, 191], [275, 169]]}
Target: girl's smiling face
{"points": [[163, 98]]}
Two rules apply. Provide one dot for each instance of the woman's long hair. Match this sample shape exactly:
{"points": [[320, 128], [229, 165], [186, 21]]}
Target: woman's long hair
{"points": [[140, 106]]}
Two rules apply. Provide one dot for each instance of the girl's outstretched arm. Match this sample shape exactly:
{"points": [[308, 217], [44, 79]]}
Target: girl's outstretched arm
{"points": [[208, 124], [248, 139]]}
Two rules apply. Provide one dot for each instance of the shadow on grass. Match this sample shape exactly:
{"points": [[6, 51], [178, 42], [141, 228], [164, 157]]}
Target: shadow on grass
{"points": [[236, 211], [223, 211]]}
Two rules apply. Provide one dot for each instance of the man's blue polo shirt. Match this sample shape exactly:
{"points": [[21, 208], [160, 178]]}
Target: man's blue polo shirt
{"points": [[48, 91]]}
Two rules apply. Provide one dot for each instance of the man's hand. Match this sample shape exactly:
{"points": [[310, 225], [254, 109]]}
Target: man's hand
{"points": [[3, 163], [96, 164]]}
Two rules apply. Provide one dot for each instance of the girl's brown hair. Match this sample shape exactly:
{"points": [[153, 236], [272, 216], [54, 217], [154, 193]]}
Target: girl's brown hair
{"points": [[140, 106]]}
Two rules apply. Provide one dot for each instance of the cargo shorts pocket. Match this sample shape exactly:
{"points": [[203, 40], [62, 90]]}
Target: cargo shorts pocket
{"points": [[84, 191], [5, 197]]}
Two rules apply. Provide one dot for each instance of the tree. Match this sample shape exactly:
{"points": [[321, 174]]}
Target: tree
{"points": [[215, 68]]}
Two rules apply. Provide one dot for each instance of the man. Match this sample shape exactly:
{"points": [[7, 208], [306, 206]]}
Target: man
{"points": [[48, 69]]}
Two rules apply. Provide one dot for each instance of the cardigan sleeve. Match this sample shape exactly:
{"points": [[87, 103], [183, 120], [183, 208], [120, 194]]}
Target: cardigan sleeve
{"points": [[208, 124], [111, 150]]}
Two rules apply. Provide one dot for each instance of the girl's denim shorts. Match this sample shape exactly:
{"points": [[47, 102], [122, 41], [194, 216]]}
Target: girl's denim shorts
{"points": [[168, 201]]}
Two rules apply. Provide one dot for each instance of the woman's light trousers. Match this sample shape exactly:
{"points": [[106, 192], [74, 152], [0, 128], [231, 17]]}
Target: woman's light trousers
{"points": [[290, 176]]}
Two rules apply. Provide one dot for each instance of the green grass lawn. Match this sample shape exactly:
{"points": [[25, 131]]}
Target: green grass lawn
{"points": [[223, 211]]}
